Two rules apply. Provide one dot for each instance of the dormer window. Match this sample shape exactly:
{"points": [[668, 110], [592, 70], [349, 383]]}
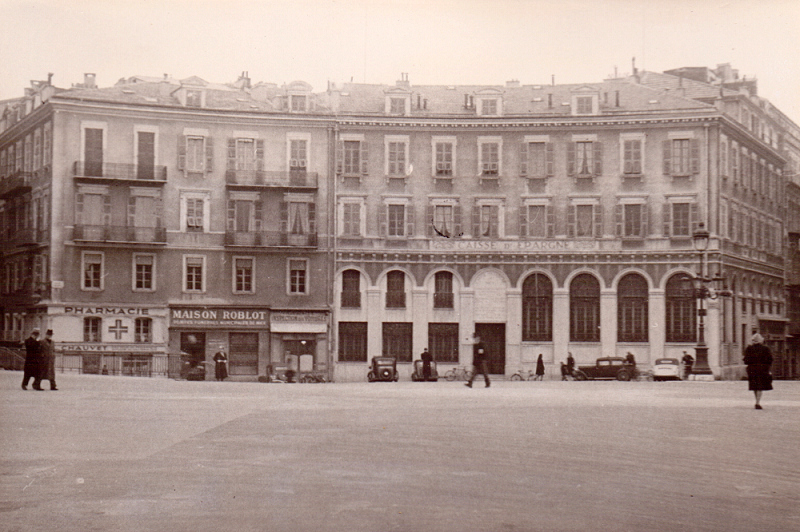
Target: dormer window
{"points": [[583, 105], [397, 103], [397, 106], [194, 98], [585, 101], [299, 103], [489, 107]]}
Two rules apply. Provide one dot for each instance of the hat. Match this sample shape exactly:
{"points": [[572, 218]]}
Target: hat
{"points": [[49, 331], [35, 330], [757, 339]]}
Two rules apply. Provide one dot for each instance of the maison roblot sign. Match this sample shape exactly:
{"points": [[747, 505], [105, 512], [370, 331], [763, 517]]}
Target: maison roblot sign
{"points": [[218, 317]]}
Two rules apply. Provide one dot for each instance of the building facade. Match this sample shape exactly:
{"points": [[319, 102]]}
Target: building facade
{"points": [[318, 230]]}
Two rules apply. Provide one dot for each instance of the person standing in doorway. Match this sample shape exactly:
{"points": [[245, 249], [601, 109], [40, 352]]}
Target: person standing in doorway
{"points": [[33, 361], [49, 359], [688, 362], [221, 364], [539, 368], [758, 358], [426, 364], [479, 356]]}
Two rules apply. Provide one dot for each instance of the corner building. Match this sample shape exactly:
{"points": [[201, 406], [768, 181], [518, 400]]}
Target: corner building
{"points": [[553, 220]]}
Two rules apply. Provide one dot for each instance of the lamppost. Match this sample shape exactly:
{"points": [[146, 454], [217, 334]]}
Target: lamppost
{"points": [[701, 370]]}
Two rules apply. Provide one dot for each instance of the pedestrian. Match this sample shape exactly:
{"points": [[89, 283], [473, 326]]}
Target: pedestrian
{"points": [[478, 360], [758, 358], [221, 364], [426, 364], [539, 368], [564, 372], [688, 362], [33, 361], [49, 359], [570, 364]]}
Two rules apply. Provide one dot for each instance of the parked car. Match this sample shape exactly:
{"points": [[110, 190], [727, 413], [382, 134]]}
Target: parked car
{"points": [[383, 369], [666, 369], [606, 368], [417, 376]]}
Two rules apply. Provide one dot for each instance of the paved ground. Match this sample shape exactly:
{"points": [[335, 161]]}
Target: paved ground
{"points": [[133, 454]]}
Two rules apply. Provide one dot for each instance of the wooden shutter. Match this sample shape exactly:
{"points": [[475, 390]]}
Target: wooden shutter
{"points": [[312, 218], [339, 157], [231, 215], [598, 221], [523, 159], [259, 215], [107, 209], [410, 220], [457, 231], [667, 216], [551, 221], [131, 211], [645, 219], [259, 155], [571, 221], [284, 217], [667, 148], [382, 216], [598, 158], [79, 209], [523, 221], [476, 221], [181, 152], [364, 158], [694, 151], [694, 216], [231, 167], [549, 159], [209, 154], [619, 218], [571, 158], [429, 222]]}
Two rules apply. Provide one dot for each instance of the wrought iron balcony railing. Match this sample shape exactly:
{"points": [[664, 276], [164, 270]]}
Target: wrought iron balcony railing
{"points": [[288, 179], [23, 237], [15, 184], [269, 239], [120, 171], [120, 233]]}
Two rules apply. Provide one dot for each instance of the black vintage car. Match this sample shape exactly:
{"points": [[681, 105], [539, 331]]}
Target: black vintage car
{"points": [[606, 368], [418, 375], [383, 369]]}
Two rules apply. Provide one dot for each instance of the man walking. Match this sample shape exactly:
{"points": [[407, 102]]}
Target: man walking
{"points": [[33, 361], [49, 359], [478, 360], [688, 362]]}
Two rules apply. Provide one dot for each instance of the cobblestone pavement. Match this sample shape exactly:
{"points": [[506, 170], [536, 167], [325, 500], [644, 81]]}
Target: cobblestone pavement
{"points": [[137, 454]]}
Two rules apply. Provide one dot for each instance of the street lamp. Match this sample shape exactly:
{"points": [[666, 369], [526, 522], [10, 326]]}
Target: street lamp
{"points": [[702, 292]]}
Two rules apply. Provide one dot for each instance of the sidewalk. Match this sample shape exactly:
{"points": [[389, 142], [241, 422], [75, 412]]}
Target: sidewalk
{"points": [[137, 454]]}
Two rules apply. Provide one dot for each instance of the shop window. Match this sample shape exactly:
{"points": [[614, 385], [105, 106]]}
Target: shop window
{"points": [[443, 342], [395, 289], [537, 309], [681, 309], [584, 302], [352, 341], [351, 289], [397, 341], [632, 309]]}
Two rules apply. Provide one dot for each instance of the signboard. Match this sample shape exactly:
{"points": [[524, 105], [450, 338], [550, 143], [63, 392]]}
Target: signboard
{"points": [[107, 311], [514, 245], [88, 347], [299, 322], [218, 317]]}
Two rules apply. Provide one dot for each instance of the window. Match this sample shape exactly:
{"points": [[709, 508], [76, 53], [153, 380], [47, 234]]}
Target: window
{"points": [[536, 160], [537, 309], [444, 159], [536, 221], [298, 155], [583, 105], [20, 156], [396, 220], [47, 142], [298, 220], [632, 220], [144, 272], [681, 315], [245, 213], [299, 103], [397, 106], [196, 153], [584, 306], [144, 211], [444, 221], [93, 210], [353, 158], [245, 154], [443, 342], [443, 290], [397, 341], [585, 221], [681, 157], [243, 279], [352, 341], [195, 215], [93, 151], [351, 219], [91, 329], [490, 159], [632, 157], [679, 217], [584, 158], [397, 159], [396, 289], [298, 269], [194, 98], [37, 150], [489, 106], [351, 289], [92, 271], [489, 220], [632, 309], [143, 330], [194, 273]]}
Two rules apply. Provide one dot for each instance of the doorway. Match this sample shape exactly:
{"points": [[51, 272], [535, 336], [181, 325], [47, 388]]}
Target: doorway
{"points": [[493, 336]]}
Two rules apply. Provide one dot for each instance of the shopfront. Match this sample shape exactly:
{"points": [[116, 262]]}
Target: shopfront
{"points": [[299, 340], [197, 333]]}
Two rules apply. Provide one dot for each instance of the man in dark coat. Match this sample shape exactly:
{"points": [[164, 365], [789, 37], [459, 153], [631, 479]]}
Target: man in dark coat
{"points": [[33, 361], [49, 359], [479, 356], [221, 364], [758, 358], [688, 362], [570, 364], [426, 364]]}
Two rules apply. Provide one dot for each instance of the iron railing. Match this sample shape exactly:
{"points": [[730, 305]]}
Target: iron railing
{"points": [[120, 233], [269, 239], [121, 171], [264, 178]]}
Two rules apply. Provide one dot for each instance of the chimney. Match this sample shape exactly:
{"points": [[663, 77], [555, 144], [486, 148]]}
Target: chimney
{"points": [[403, 81], [550, 100], [513, 84], [88, 81], [617, 99], [49, 78]]}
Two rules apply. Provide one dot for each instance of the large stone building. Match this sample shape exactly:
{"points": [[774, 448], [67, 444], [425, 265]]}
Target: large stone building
{"points": [[318, 230]]}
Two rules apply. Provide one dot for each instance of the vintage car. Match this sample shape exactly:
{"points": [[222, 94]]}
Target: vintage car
{"points": [[383, 369], [606, 368], [666, 369], [417, 376]]}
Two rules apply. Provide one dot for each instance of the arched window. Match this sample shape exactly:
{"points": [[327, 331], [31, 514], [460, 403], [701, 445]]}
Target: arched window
{"points": [[443, 290], [681, 309], [584, 309], [632, 309], [396, 289], [537, 309], [351, 289]]}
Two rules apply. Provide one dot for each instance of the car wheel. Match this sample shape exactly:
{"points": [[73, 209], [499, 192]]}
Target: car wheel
{"points": [[623, 375], [371, 377]]}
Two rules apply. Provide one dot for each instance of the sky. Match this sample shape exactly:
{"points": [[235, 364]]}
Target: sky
{"points": [[440, 42]]}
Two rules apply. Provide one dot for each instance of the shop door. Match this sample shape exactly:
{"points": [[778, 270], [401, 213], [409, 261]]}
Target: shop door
{"points": [[493, 336], [193, 346], [243, 357]]}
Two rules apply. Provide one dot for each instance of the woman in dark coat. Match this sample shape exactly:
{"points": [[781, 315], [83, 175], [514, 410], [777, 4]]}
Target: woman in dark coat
{"points": [[221, 364], [758, 358], [539, 368]]}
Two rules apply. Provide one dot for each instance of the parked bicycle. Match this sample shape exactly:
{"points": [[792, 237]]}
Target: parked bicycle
{"points": [[522, 375], [461, 373], [313, 377]]}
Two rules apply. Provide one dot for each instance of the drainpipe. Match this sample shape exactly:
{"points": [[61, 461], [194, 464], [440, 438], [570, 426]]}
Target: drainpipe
{"points": [[333, 231]]}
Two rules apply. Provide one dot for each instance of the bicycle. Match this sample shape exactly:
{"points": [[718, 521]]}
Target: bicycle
{"points": [[460, 373], [313, 377], [524, 376]]}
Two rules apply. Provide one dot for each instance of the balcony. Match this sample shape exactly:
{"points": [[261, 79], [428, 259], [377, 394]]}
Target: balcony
{"points": [[22, 238], [119, 172], [269, 239], [280, 179], [120, 233], [443, 300], [16, 184]]}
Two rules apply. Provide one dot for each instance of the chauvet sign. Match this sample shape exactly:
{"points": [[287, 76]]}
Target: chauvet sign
{"points": [[219, 317], [514, 245]]}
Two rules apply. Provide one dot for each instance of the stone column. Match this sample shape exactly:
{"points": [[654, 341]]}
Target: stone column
{"points": [[560, 324], [608, 323]]}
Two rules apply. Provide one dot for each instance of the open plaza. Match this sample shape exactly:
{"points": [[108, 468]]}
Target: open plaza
{"points": [[134, 454]]}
